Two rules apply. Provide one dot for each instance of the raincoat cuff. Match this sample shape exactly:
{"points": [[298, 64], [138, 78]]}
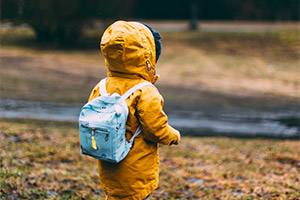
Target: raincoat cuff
{"points": [[175, 135]]}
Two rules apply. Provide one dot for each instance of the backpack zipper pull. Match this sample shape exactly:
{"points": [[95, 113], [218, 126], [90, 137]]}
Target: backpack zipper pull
{"points": [[94, 146], [94, 143]]}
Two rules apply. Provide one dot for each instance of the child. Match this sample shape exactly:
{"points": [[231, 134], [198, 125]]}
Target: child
{"points": [[131, 50]]}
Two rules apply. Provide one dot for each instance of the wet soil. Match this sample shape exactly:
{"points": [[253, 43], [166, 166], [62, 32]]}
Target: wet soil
{"points": [[194, 113]]}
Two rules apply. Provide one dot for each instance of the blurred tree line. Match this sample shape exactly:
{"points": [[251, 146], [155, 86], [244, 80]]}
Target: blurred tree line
{"points": [[268, 10], [63, 20]]}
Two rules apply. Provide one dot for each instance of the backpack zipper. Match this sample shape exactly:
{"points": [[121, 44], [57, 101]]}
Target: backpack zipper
{"points": [[95, 129]]}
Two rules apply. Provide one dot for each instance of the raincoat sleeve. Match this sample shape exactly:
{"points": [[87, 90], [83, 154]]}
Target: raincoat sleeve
{"points": [[153, 120], [95, 93]]}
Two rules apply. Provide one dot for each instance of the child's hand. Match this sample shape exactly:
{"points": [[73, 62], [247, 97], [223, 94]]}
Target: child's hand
{"points": [[179, 137]]}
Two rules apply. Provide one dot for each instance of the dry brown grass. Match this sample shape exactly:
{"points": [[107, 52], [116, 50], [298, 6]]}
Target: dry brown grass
{"points": [[49, 75], [41, 160], [247, 64], [234, 63]]}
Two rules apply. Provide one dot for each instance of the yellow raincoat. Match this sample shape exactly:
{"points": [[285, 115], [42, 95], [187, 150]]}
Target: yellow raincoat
{"points": [[129, 51]]}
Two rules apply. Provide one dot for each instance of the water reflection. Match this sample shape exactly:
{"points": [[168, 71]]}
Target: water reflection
{"points": [[245, 124]]}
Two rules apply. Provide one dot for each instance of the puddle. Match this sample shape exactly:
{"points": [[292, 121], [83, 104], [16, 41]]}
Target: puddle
{"points": [[245, 123], [263, 124], [36, 110]]}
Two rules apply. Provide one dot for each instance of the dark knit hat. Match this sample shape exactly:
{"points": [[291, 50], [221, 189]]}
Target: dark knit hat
{"points": [[157, 38]]}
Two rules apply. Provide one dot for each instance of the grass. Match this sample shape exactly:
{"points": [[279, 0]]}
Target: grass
{"points": [[41, 160], [235, 63], [252, 63]]}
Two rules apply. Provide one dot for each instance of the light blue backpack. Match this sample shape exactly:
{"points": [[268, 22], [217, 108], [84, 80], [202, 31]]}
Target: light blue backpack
{"points": [[102, 125]]}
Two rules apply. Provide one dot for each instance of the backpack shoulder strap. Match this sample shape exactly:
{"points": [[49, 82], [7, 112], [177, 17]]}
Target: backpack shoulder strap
{"points": [[125, 96], [102, 87], [134, 88], [137, 132]]}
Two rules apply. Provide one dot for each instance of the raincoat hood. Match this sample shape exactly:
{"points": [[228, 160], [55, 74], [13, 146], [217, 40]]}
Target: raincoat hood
{"points": [[129, 51]]}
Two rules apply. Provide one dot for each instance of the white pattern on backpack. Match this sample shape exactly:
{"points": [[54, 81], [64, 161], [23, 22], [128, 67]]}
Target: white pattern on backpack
{"points": [[102, 125]]}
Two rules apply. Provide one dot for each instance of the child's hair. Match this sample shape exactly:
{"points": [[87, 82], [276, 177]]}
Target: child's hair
{"points": [[157, 38]]}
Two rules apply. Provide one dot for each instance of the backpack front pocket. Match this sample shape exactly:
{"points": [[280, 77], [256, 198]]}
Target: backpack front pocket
{"points": [[103, 143], [95, 142]]}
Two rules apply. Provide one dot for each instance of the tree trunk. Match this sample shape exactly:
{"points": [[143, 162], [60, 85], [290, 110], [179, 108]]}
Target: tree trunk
{"points": [[194, 16]]}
